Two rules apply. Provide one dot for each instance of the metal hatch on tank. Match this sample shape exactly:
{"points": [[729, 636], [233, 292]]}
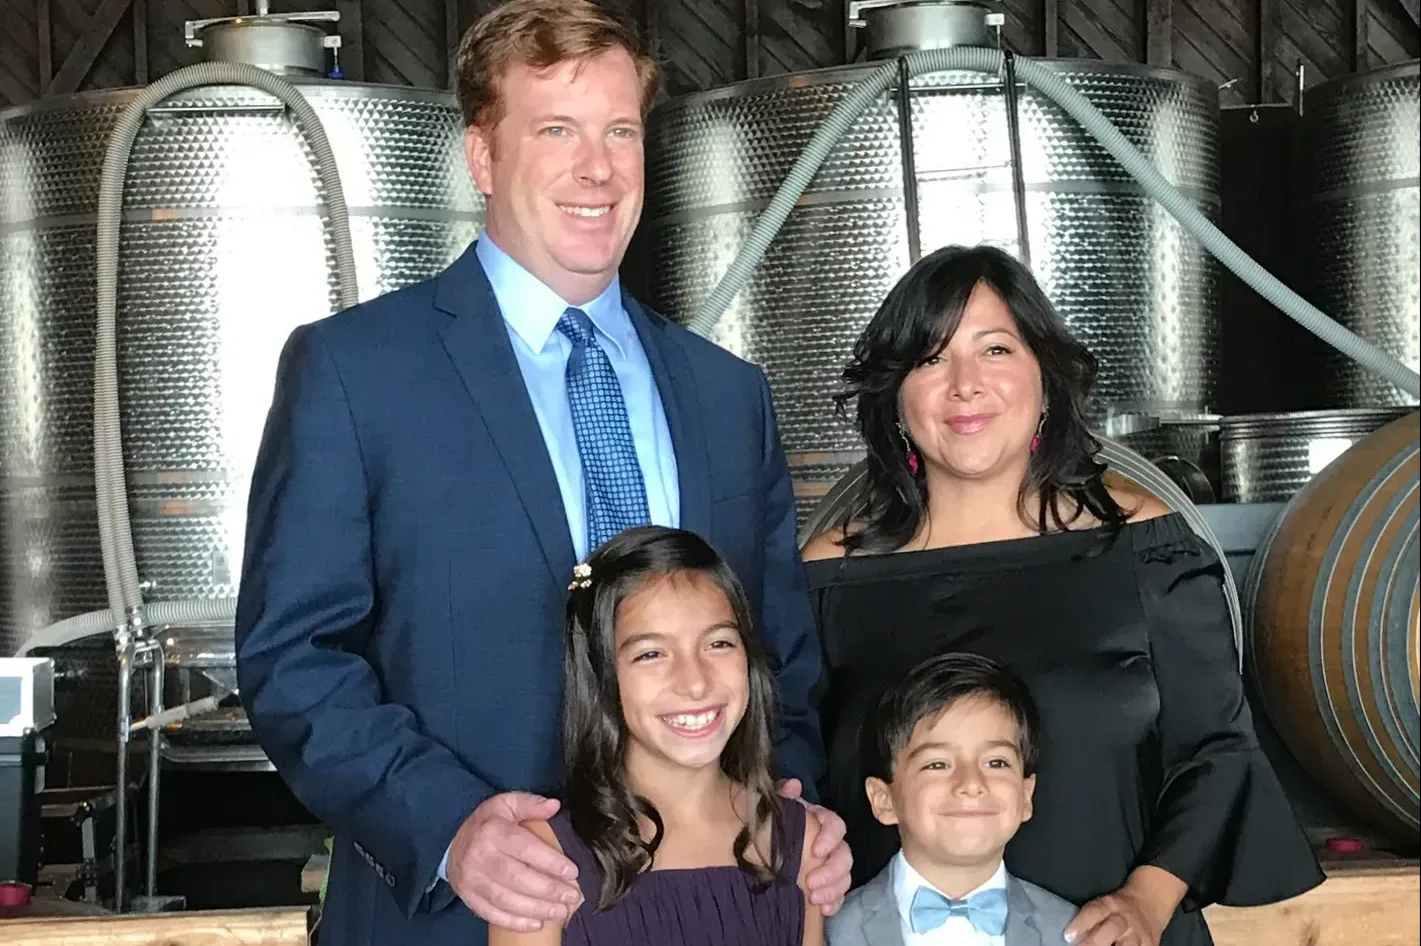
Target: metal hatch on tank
{"points": [[943, 163]]}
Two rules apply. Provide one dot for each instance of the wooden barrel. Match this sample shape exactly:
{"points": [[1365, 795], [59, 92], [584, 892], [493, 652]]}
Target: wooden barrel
{"points": [[1332, 644]]}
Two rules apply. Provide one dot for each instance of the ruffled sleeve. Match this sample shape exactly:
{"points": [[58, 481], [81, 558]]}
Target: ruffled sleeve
{"points": [[1222, 823]]}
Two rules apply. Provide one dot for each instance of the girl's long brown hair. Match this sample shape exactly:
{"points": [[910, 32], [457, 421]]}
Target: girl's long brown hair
{"points": [[604, 811]]}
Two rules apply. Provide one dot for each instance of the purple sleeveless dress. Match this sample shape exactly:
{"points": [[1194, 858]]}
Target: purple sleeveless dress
{"points": [[705, 906]]}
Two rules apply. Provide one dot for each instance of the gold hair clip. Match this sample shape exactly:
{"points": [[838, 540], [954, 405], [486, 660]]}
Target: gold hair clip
{"points": [[581, 577]]}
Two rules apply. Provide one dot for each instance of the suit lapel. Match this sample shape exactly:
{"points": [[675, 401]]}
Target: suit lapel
{"points": [[676, 384], [478, 344], [1021, 917], [881, 923]]}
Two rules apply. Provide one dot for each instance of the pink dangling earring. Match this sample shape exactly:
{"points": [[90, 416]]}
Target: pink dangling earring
{"points": [[1036, 437], [909, 453]]}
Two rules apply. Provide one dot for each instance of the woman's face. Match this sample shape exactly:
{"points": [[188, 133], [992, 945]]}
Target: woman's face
{"points": [[972, 409], [682, 672]]}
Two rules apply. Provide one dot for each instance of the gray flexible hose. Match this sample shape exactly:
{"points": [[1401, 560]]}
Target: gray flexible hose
{"points": [[182, 613], [127, 615], [977, 59], [110, 482]]}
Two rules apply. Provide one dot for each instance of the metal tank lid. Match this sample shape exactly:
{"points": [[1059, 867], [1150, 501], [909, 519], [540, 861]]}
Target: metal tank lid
{"points": [[1409, 69], [893, 28], [852, 72], [283, 43], [1327, 423], [237, 96]]}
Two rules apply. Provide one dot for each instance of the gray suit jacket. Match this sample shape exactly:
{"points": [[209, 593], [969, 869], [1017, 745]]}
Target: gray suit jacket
{"points": [[869, 917]]}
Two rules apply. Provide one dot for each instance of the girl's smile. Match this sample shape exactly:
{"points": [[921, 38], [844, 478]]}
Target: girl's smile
{"points": [[681, 672], [696, 725]]}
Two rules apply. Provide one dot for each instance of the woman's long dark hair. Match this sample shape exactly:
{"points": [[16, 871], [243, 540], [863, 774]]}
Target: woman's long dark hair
{"points": [[916, 320], [603, 808]]}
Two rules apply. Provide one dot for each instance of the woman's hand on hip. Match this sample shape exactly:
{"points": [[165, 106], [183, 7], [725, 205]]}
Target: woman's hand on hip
{"points": [[505, 873]]}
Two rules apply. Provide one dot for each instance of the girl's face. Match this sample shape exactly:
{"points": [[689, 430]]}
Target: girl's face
{"points": [[681, 670]]}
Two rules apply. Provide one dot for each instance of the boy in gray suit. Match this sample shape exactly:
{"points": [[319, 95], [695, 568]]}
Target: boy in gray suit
{"points": [[951, 760]]}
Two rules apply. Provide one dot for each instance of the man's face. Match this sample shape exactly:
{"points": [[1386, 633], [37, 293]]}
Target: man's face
{"points": [[562, 170]]}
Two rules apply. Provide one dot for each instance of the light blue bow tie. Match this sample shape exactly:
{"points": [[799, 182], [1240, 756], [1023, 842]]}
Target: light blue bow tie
{"points": [[987, 910]]}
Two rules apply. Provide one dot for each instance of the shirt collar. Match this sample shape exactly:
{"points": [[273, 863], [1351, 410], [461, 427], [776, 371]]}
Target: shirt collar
{"points": [[907, 880], [532, 309]]}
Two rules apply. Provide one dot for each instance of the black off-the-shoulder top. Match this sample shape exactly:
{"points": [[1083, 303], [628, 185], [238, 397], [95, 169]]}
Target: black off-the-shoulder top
{"points": [[1148, 753]]}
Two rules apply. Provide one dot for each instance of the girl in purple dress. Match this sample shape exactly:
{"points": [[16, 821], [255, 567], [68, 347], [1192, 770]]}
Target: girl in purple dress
{"points": [[671, 814]]}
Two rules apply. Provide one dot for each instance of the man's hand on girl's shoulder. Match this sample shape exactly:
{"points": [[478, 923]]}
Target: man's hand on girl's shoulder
{"points": [[829, 882]]}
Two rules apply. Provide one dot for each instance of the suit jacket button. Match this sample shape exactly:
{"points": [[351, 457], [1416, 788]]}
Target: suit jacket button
{"points": [[389, 879]]}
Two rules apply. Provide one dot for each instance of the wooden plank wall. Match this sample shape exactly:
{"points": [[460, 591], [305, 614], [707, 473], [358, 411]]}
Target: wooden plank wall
{"points": [[1252, 47]]}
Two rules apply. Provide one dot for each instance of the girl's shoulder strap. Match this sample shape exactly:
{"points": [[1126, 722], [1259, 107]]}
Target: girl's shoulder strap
{"points": [[793, 818], [589, 874]]}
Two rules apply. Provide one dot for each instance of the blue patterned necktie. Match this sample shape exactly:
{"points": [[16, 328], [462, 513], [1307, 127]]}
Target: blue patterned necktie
{"points": [[612, 485], [987, 910]]}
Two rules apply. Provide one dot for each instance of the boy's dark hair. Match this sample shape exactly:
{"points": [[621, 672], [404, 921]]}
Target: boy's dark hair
{"points": [[932, 687]]}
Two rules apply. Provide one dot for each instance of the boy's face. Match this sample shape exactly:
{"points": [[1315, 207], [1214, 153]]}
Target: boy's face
{"points": [[959, 791]]}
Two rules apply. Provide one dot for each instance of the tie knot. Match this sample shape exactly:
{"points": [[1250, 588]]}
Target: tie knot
{"points": [[576, 326]]}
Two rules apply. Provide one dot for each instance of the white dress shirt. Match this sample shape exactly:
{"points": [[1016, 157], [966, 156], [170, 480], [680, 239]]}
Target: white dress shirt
{"points": [[958, 930]]}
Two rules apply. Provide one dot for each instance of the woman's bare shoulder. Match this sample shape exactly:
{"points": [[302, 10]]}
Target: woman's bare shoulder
{"points": [[1136, 502], [827, 544]]}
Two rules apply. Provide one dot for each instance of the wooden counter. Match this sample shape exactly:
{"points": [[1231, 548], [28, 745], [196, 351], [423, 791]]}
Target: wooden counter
{"points": [[1362, 903], [277, 926]]}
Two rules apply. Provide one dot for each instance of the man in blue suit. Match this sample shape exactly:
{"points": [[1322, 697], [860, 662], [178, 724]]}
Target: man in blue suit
{"points": [[437, 460]]}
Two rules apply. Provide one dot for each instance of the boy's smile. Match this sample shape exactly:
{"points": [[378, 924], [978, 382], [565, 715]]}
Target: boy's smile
{"points": [[959, 792]]}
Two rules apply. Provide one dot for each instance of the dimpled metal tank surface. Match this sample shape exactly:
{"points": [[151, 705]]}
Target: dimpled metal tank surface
{"points": [[1361, 222], [1132, 284], [224, 250]]}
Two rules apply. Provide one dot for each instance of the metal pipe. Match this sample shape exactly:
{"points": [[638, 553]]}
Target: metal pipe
{"points": [[134, 650], [155, 761], [90, 851], [1018, 174], [125, 688], [911, 208]]}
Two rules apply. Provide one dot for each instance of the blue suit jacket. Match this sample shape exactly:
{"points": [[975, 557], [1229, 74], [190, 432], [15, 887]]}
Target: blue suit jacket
{"points": [[400, 624]]}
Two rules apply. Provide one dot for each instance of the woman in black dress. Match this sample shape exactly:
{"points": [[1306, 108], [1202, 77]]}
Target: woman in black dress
{"points": [[986, 526]]}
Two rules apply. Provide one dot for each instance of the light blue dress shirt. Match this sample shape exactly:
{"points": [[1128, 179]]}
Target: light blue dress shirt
{"points": [[530, 313]]}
